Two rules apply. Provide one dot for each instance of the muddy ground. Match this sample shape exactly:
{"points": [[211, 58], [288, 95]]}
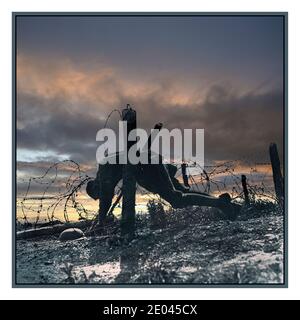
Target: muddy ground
{"points": [[194, 246]]}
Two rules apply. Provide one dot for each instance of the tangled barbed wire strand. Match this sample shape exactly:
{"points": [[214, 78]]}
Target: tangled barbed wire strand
{"points": [[59, 189], [224, 178], [67, 198]]}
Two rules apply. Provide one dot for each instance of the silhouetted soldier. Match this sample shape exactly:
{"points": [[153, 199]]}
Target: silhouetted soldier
{"points": [[158, 179]]}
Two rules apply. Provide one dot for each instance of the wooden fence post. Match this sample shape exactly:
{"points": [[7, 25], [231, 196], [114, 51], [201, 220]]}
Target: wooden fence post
{"points": [[277, 176], [129, 181], [245, 190], [184, 175]]}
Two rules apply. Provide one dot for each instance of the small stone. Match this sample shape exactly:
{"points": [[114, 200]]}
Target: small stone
{"points": [[71, 234]]}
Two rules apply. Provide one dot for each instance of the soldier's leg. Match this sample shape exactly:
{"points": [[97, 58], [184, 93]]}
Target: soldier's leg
{"points": [[178, 199], [108, 177]]}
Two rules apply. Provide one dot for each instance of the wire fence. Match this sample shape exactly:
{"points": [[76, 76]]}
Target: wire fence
{"points": [[59, 194], [58, 189], [226, 177]]}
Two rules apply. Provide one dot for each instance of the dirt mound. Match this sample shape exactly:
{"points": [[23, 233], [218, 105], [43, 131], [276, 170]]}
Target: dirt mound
{"points": [[195, 246]]}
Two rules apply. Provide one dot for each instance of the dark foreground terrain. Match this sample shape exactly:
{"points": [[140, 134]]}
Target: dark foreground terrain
{"points": [[193, 247]]}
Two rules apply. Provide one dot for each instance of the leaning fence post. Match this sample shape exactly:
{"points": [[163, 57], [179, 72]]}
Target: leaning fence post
{"points": [[245, 190], [129, 181], [184, 175], [277, 176]]}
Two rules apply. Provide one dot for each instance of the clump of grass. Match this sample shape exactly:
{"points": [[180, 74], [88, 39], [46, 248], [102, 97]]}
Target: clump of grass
{"points": [[260, 208], [157, 214], [68, 270], [157, 273], [185, 217]]}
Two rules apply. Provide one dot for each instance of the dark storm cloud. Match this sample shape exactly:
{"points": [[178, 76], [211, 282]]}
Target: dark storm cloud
{"points": [[59, 130], [248, 49], [223, 74], [236, 126]]}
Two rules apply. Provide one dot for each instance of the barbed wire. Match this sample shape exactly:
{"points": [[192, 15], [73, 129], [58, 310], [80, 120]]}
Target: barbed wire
{"points": [[224, 177], [58, 189], [67, 198], [62, 188]]}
